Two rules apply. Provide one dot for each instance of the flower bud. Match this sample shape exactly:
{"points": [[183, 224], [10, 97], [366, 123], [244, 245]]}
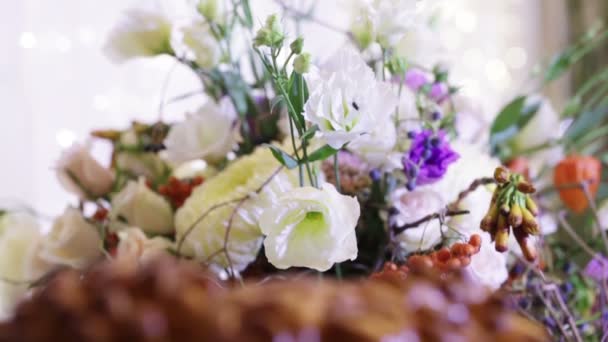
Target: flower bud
{"points": [[397, 65], [530, 225], [505, 209], [525, 187], [527, 247], [501, 174], [501, 237], [208, 9], [302, 63], [490, 219], [297, 45], [515, 216], [271, 34], [531, 206]]}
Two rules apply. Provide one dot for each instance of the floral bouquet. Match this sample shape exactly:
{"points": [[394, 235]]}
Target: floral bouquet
{"points": [[366, 164]]}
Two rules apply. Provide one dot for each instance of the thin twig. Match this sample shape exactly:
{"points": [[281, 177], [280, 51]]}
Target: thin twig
{"points": [[474, 185], [400, 229], [552, 288], [568, 228]]}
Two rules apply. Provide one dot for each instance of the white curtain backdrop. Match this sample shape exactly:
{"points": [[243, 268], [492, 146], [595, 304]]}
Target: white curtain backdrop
{"points": [[56, 85]]}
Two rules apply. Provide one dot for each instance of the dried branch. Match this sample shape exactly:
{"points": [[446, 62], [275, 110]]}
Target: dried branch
{"points": [[400, 229]]}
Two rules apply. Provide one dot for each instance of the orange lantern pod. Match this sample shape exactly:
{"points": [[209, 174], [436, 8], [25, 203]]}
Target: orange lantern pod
{"points": [[574, 170]]}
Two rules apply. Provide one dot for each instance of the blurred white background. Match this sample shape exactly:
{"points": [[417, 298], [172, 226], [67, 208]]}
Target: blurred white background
{"points": [[56, 85]]}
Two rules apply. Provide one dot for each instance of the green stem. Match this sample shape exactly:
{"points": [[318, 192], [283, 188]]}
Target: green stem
{"points": [[338, 271], [337, 173]]}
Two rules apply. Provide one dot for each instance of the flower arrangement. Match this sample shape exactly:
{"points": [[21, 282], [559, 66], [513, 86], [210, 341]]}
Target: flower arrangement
{"points": [[355, 166]]}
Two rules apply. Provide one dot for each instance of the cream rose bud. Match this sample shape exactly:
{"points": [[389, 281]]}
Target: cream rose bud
{"points": [[144, 208], [72, 241], [79, 173], [209, 133], [134, 244], [139, 33], [20, 239], [309, 227]]}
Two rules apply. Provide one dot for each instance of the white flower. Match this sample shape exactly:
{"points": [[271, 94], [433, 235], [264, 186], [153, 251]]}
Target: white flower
{"points": [[472, 122], [345, 100], [134, 244], [196, 42], [384, 21], [72, 241], [143, 208], [20, 239], [376, 146], [79, 173], [139, 33], [217, 198], [603, 214], [542, 128], [488, 267], [309, 227], [209, 134], [412, 206], [472, 164]]}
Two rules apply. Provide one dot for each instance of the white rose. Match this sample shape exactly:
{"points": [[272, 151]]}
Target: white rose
{"points": [[196, 42], [134, 244], [488, 267], [72, 241], [412, 206], [20, 239], [139, 33], [79, 173], [345, 99], [309, 227], [209, 134], [143, 208]]}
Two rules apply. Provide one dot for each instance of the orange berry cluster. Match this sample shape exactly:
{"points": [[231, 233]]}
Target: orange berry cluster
{"points": [[391, 270], [178, 190], [447, 259]]}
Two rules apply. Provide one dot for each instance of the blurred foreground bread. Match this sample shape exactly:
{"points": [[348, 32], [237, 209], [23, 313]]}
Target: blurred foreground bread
{"points": [[171, 301]]}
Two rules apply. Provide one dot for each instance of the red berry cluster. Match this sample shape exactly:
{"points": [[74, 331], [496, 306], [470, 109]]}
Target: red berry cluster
{"points": [[111, 243], [391, 270], [100, 214], [178, 190], [447, 259]]}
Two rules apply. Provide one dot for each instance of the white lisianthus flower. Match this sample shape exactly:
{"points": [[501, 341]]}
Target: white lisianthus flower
{"points": [[20, 239], [209, 134], [217, 198], [412, 206], [139, 33], [428, 199], [196, 42], [143, 208], [72, 241], [135, 245], [544, 127], [79, 173], [309, 227], [345, 99], [472, 122], [488, 267], [376, 146], [384, 21]]}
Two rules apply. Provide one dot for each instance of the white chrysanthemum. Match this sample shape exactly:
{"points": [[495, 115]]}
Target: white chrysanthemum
{"points": [[488, 267], [72, 241], [196, 42], [384, 21], [205, 236], [143, 208], [345, 100], [139, 33], [20, 239], [472, 164], [209, 133], [309, 227]]}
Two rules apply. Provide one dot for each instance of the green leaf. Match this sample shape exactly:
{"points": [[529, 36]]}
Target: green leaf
{"points": [[513, 117], [322, 153], [298, 95], [309, 133], [283, 157], [248, 20], [585, 123]]}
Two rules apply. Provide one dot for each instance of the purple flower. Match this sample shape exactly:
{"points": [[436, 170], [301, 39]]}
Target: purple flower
{"points": [[429, 157], [439, 92], [597, 269], [416, 78]]}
